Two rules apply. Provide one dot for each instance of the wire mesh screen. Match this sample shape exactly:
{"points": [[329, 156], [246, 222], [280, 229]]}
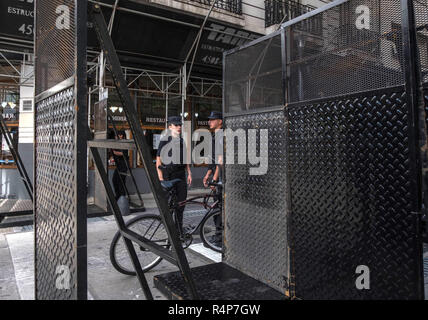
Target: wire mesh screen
{"points": [[421, 21], [256, 206], [253, 77], [55, 42], [359, 49]]}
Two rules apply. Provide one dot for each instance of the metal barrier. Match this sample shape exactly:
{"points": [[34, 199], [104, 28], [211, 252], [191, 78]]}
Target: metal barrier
{"points": [[343, 187], [60, 156]]}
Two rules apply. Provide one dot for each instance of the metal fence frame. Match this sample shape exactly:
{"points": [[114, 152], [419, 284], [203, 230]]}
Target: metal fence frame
{"points": [[413, 96]]}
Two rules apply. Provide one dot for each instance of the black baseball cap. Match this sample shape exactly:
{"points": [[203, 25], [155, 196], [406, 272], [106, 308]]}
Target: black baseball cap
{"points": [[175, 120], [215, 115]]}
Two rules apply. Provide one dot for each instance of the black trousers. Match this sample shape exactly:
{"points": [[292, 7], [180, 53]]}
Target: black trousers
{"points": [[181, 192], [119, 181], [218, 218]]}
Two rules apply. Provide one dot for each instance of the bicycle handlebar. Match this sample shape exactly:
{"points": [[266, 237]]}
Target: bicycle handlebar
{"points": [[215, 184]]}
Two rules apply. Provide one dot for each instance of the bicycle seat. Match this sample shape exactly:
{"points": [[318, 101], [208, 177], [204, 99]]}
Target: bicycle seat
{"points": [[168, 185]]}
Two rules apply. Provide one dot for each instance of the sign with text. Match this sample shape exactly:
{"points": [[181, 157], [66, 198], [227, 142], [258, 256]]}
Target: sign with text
{"points": [[17, 19]]}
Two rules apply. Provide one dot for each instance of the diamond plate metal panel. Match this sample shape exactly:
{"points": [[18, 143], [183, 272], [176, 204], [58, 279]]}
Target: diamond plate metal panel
{"points": [[55, 192], [352, 194], [256, 206], [216, 281]]}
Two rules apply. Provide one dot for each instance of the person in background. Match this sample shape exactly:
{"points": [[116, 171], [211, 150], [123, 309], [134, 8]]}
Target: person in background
{"points": [[119, 175], [171, 171], [215, 122]]}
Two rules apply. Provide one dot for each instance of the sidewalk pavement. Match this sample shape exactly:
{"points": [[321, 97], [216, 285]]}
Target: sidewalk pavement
{"points": [[104, 282]]}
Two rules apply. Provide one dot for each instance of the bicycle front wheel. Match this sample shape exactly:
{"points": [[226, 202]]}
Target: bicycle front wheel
{"points": [[211, 231], [149, 226]]}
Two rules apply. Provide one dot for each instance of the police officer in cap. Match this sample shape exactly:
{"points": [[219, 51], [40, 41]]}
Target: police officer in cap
{"points": [[170, 163], [215, 122]]}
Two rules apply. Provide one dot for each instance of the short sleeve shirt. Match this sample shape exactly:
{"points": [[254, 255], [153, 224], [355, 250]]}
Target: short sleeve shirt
{"points": [[176, 143]]}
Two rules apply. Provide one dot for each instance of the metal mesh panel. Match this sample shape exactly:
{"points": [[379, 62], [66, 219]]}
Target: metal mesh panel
{"points": [[421, 21], [55, 193], [255, 206], [60, 150], [55, 42], [253, 77], [352, 197], [359, 49]]}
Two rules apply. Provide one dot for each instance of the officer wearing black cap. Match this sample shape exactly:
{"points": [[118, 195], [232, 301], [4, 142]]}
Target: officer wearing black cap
{"points": [[215, 122], [175, 169]]}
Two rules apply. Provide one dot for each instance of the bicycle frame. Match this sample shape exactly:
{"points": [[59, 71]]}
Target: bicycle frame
{"points": [[205, 198]]}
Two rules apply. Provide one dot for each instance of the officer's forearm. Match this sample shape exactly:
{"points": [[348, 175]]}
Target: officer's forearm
{"points": [[217, 173], [158, 163]]}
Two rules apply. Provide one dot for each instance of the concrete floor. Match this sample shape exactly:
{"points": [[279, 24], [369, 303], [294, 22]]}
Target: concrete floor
{"points": [[104, 282]]}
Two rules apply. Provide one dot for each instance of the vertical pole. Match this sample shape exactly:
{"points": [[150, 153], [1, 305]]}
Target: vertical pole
{"points": [[80, 148], [166, 106], [183, 91], [414, 101]]}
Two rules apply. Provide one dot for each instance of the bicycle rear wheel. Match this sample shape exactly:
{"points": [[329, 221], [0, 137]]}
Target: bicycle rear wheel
{"points": [[210, 235], [149, 226]]}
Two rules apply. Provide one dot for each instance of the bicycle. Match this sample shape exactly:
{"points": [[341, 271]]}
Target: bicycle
{"points": [[152, 228]]}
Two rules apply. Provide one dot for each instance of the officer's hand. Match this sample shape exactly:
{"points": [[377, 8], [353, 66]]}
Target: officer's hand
{"points": [[189, 179], [206, 180]]}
